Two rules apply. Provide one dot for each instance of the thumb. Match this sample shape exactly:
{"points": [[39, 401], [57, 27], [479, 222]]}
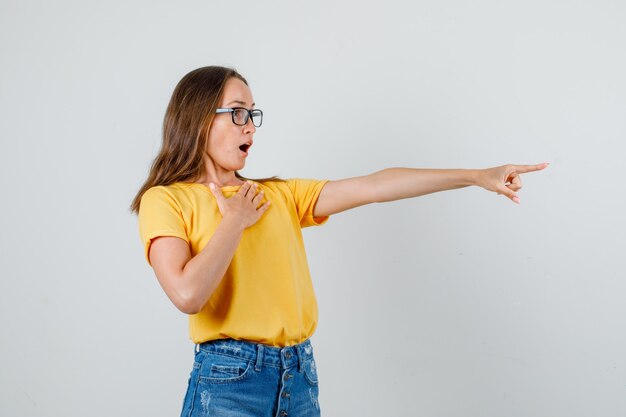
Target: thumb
{"points": [[509, 193], [217, 192]]}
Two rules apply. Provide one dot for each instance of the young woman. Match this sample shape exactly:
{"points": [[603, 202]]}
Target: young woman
{"points": [[228, 251]]}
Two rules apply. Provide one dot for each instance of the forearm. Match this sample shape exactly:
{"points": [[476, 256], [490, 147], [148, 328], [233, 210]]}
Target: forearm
{"points": [[204, 272], [397, 183]]}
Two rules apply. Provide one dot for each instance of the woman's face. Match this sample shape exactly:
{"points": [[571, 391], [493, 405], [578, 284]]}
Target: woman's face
{"points": [[225, 137]]}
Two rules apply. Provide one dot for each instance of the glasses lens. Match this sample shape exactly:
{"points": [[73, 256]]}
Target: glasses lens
{"points": [[240, 116], [257, 117]]}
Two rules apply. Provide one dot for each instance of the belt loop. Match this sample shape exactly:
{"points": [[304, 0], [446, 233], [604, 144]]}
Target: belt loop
{"points": [[259, 357], [300, 358], [197, 348]]}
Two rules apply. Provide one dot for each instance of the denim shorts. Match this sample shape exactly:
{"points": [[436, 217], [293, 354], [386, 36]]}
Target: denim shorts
{"points": [[234, 378]]}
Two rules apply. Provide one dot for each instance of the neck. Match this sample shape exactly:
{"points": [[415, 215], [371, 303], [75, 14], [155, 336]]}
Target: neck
{"points": [[218, 176]]}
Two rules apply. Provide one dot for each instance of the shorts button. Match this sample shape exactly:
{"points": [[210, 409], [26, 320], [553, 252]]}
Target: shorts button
{"points": [[287, 376], [288, 355], [283, 413], [285, 395]]}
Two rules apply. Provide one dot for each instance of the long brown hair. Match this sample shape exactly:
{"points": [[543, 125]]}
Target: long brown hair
{"points": [[186, 127]]}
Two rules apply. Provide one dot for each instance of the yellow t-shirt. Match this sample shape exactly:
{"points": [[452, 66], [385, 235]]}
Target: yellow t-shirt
{"points": [[266, 295]]}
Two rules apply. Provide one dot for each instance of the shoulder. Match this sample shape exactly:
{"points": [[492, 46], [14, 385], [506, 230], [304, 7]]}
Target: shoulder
{"points": [[294, 183], [302, 191], [175, 189], [175, 194], [285, 186], [305, 185]]}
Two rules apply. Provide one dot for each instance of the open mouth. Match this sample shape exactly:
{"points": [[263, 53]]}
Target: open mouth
{"points": [[244, 147]]}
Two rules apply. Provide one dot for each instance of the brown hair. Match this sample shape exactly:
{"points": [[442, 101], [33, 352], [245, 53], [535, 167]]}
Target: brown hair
{"points": [[186, 127]]}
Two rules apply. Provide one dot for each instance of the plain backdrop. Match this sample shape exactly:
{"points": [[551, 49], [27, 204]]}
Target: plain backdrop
{"points": [[459, 303]]}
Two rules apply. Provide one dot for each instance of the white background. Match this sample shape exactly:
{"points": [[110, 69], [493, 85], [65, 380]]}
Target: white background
{"points": [[453, 304]]}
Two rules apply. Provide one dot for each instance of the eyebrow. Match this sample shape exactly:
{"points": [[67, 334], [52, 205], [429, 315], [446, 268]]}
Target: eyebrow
{"points": [[243, 103]]}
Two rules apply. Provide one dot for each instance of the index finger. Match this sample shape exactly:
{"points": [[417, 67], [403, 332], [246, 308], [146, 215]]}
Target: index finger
{"points": [[245, 188], [522, 169]]}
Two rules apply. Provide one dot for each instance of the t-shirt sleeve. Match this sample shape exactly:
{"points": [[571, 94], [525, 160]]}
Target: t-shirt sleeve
{"points": [[159, 215], [305, 193]]}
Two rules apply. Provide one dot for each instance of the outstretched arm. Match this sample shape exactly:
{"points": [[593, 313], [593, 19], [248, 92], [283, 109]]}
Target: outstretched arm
{"points": [[398, 183]]}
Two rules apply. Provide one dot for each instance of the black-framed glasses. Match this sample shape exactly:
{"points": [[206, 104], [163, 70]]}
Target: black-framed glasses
{"points": [[241, 115]]}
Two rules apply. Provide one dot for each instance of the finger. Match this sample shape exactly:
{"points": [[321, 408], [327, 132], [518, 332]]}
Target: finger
{"points": [[252, 192], [257, 198], [509, 193], [217, 192], [515, 182], [245, 188], [522, 169], [263, 208]]}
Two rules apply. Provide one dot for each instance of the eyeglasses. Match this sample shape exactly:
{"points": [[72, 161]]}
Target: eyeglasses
{"points": [[241, 115]]}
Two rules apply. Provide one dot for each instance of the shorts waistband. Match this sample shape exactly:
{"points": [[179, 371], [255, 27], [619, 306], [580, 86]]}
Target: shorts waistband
{"points": [[259, 353]]}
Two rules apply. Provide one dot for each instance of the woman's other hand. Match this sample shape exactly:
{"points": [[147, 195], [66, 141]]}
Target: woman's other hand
{"points": [[244, 205]]}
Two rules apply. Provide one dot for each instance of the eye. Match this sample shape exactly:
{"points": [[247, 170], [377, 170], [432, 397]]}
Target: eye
{"points": [[240, 116]]}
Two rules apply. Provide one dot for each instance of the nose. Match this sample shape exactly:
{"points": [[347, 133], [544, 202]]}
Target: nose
{"points": [[249, 127]]}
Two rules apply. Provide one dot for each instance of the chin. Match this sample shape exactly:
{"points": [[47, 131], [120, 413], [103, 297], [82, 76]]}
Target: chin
{"points": [[237, 167]]}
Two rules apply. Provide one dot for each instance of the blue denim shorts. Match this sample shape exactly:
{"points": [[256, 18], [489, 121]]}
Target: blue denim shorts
{"points": [[238, 378]]}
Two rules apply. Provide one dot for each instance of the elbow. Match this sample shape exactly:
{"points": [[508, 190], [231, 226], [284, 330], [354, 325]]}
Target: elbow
{"points": [[184, 291], [188, 308], [188, 303]]}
